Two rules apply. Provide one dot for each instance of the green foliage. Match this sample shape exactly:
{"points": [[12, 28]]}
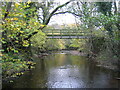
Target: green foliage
{"points": [[104, 7], [19, 21], [54, 44], [39, 41], [17, 26], [101, 19], [76, 43]]}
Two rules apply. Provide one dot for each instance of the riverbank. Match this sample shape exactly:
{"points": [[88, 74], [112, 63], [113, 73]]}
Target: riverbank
{"points": [[99, 63], [107, 62]]}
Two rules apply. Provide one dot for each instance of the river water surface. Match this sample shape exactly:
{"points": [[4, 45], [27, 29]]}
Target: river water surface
{"points": [[61, 70]]}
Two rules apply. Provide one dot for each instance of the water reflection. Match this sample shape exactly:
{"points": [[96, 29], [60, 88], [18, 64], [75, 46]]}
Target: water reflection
{"points": [[65, 78], [66, 71]]}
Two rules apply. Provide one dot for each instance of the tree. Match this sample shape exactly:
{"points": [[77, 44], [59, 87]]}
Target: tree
{"points": [[19, 20], [44, 9], [99, 14], [106, 9], [17, 24]]}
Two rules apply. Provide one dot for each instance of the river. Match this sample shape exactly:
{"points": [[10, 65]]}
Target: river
{"points": [[61, 70]]}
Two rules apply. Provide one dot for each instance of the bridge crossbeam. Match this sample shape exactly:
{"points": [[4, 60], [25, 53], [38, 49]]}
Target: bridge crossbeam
{"points": [[66, 37]]}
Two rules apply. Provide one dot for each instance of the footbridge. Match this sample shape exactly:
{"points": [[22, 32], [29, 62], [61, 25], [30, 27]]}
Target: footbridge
{"points": [[66, 34]]}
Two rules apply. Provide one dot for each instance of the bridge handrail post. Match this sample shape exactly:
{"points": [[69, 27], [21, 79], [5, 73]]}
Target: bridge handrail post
{"points": [[77, 33], [69, 33], [52, 33], [60, 34]]}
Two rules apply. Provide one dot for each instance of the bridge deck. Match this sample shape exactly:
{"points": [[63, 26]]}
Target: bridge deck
{"points": [[66, 34]]}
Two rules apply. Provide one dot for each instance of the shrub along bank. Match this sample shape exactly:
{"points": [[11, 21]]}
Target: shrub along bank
{"points": [[105, 51]]}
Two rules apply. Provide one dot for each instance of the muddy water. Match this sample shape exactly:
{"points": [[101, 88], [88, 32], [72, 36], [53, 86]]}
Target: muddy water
{"points": [[61, 70]]}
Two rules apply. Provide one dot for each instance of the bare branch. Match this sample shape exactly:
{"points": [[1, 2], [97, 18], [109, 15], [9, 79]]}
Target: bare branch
{"points": [[68, 12], [7, 10], [48, 19], [115, 8], [52, 13]]}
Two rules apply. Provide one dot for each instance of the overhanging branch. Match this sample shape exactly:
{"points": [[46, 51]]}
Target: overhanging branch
{"points": [[68, 12], [55, 10], [47, 20], [29, 36]]}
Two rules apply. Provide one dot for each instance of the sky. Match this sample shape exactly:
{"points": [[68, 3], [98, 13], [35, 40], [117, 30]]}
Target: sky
{"points": [[62, 18]]}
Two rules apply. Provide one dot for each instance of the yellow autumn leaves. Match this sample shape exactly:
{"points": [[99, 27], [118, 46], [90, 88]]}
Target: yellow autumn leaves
{"points": [[41, 25], [17, 4], [9, 20], [25, 43], [14, 19]]}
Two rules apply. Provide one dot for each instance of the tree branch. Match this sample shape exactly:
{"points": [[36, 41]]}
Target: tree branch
{"points": [[68, 12], [29, 36], [52, 13], [115, 8], [48, 19], [7, 10]]}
